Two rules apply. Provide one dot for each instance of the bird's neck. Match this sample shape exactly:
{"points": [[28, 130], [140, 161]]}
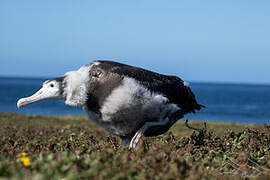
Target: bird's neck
{"points": [[76, 87]]}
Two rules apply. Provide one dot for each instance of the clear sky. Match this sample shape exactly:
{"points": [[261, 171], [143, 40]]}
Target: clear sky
{"points": [[216, 41]]}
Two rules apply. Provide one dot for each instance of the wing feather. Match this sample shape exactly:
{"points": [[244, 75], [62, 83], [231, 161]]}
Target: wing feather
{"points": [[171, 87]]}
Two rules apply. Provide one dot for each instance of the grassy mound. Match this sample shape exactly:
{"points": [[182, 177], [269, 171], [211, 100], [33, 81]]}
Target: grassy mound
{"points": [[71, 147]]}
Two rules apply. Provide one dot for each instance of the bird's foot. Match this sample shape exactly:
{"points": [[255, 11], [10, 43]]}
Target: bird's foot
{"points": [[135, 140]]}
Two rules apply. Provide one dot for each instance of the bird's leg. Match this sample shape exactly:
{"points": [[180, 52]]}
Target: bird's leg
{"points": [[171, 119], [134, 141]]}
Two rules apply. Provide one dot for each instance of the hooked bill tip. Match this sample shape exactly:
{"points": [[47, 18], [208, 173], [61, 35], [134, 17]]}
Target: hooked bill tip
{"points": [[19, 103]]}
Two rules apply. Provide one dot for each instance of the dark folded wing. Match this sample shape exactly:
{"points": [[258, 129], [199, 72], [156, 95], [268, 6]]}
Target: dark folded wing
{"points": [[171, 87]]}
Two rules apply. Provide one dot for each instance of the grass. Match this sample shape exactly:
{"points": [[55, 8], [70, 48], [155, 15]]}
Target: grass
{"points": [[71, 147]]}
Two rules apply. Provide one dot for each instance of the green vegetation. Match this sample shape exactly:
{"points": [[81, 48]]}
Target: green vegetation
{"points": [[71, 147]]}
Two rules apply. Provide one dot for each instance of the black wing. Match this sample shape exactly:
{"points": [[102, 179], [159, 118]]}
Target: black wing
{"points": [[171, 87]]}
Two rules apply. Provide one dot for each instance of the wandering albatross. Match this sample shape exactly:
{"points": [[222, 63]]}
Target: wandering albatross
{"points": [[127, 101]]}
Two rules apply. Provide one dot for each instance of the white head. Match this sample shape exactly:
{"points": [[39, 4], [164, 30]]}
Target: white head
{"points": [[51, 89], [72, 88]]}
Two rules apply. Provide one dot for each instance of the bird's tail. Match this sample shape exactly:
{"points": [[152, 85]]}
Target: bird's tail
{"points": [[200, 106]]}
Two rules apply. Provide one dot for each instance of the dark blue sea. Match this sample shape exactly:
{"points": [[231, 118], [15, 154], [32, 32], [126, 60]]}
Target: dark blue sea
{"points": [[242, 103]]}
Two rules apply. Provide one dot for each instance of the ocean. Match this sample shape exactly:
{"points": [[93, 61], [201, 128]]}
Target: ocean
{"points": [[242, 103]]}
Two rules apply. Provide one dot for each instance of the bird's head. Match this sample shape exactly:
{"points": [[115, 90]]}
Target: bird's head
{"points": [[51, 89], [72, 88]]}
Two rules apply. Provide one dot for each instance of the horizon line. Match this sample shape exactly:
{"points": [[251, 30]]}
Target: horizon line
{"points": [[189, 81]]}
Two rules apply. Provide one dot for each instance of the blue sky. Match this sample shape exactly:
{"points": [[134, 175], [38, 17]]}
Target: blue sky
{"points": [[213, 41]]}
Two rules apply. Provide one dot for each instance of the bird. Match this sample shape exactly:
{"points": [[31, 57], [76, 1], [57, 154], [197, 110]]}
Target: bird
{"points": [[127, 101]]}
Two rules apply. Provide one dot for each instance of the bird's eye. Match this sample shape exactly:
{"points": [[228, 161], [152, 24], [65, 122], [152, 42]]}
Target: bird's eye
{"points": [[96, 74], [51, 85]]}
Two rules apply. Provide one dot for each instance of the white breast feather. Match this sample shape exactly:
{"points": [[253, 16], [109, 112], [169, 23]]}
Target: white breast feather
{"points": [[124, 96], [120, 97]]}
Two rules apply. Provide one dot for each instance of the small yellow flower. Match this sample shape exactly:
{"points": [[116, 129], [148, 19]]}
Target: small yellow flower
{"points": [[22, 155], [25, 161], [265, 150]]}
